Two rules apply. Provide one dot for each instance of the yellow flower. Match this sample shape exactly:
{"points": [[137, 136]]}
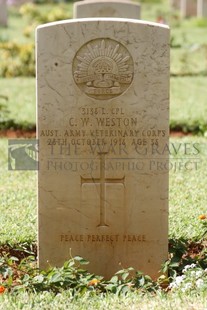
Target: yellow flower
{"points": [[202, 217], [93, 282]]}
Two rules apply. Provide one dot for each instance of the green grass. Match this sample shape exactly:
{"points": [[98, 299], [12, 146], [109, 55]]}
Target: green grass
{"points": [[189, 60], [18, 202], [188, 103], [187, 189], [188, 34], [21, 98], [133, 301]]}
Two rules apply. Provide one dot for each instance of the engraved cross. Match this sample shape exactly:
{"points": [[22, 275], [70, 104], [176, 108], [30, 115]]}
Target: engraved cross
{"points": [[102, 181]]}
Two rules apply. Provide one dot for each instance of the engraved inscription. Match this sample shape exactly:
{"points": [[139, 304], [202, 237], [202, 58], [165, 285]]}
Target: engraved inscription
{"points": [[103, 68], [102, 181], [102, 238]]}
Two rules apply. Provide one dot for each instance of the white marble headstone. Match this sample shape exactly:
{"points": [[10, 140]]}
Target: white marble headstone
{"points": [[106, 8], [188, 8], [103, 108], [18, 3], [201, 8]]}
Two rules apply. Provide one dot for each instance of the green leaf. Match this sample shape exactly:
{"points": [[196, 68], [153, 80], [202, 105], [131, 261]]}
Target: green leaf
{"points": [[38, 279], [125, 289], [26, 277], [111, 288], [57, 277], [141, 281], [9, 280], [120, 271], [148, 278], [125, 275], [81, 260], [130, 269], [175, 264], [13, 258], [114, 279]]}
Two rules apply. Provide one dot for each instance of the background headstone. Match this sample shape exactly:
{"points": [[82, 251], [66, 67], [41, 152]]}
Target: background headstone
{"points": [[103, 101], [18, 3], [201, 8], [188, 8], [106, 8], [3, 13]]}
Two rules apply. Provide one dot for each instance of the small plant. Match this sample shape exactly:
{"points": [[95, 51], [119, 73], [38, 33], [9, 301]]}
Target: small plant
{"points": [[183, 253], [193, 278], [200, 22], [23, 275], [123, 282], [36, 17], [17, 59]]}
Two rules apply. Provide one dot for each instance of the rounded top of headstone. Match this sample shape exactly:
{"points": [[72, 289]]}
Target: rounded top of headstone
{"points": [[102, 19]]}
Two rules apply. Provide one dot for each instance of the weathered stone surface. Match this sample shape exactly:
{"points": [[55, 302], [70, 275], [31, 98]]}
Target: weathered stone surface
{"points": [[3, 13], [103, 95], [106, 8]]}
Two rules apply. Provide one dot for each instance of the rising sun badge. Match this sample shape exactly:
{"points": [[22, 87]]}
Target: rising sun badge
{"points": [[103, 68]]}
